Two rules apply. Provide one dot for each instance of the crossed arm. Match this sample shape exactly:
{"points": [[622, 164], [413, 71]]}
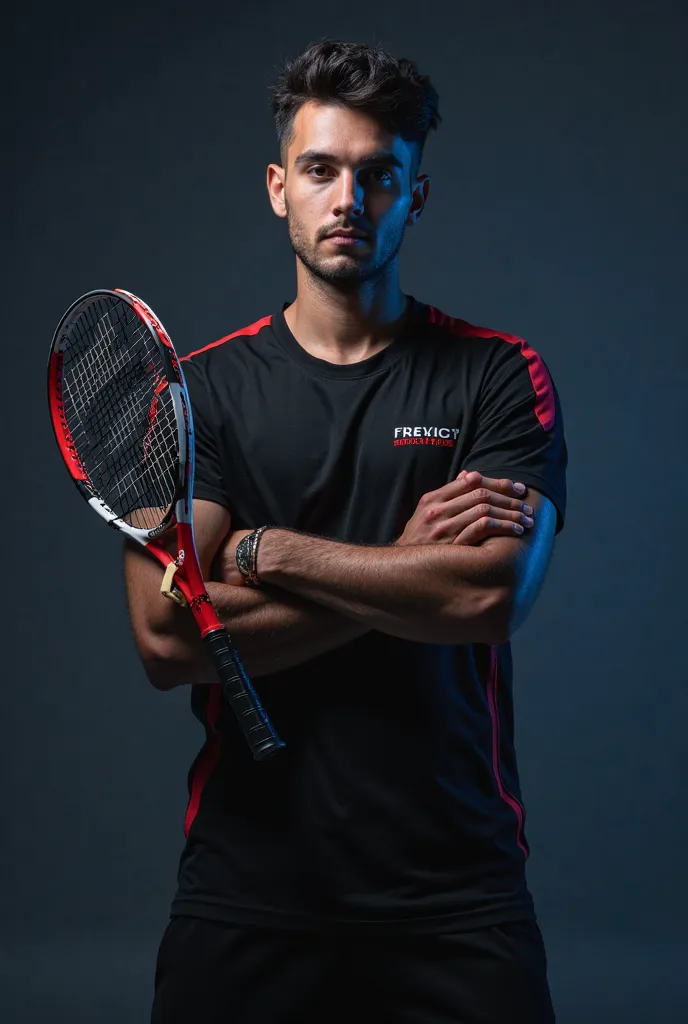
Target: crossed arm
{"points": [[320, 594]]}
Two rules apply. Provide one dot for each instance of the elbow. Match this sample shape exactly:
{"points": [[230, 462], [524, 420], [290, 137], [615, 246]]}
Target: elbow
{"points": [[159, 662], [483, 618], [506, 617], [158, 675], [493, 621]]}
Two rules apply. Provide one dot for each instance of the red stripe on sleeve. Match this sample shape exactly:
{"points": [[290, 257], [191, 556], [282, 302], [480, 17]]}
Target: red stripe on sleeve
{"points": [[507, 797], [207, 760], [539, 376], [246, 331]]}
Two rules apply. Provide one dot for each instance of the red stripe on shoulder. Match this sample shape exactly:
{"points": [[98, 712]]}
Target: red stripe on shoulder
{"points": [[246, 331], [539, 375]]}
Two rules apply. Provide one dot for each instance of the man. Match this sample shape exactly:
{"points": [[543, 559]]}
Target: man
{"points": [[377, 865]]}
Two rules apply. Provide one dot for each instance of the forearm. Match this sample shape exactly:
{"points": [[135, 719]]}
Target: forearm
{"points": [[270, 631], [275, 631], [427, 593]]}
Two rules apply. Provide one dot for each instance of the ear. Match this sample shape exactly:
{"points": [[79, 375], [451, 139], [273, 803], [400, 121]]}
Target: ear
{"points": [[419, 198], [276, 182]]}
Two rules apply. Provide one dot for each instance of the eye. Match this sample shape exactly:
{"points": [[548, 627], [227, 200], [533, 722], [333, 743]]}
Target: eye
{"points": [[379, 176], [318, 171]]}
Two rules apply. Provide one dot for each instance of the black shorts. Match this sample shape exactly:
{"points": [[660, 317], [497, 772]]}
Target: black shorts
{"points": [[214, 973]]}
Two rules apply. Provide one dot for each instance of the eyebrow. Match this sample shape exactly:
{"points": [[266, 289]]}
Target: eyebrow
{"points": [[314, 156]]}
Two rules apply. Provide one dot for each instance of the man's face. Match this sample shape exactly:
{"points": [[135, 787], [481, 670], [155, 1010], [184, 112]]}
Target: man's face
{"points": [[344, 172]]}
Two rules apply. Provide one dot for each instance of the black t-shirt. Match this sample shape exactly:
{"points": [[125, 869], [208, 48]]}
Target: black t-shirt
{"points": [[396, 804]]}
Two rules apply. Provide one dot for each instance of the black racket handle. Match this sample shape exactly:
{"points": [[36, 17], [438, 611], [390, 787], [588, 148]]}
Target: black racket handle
{"points": [[262, 739]]}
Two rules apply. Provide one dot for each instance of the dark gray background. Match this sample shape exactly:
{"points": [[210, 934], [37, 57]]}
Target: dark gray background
{"points": [[558, 212]]}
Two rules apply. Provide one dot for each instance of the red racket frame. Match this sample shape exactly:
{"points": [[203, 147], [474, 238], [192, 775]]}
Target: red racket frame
{"points": [[258, 730]]}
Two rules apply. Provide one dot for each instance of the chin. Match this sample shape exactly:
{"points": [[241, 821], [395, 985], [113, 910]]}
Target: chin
{"points": [[341, 269], [342, 275]]}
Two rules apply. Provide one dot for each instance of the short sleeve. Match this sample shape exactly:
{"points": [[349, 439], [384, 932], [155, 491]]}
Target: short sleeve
{"points": [[518, 431], [209, 479]]}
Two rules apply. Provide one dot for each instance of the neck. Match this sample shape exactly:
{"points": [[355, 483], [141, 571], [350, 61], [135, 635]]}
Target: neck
{"points": [[346, 326]]}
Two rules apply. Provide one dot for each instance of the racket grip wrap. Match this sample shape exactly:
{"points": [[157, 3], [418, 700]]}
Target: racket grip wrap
{"points": [[260, 735]]}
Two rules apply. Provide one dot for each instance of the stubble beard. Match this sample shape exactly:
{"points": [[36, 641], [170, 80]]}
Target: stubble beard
{"points": [[346, 272]]}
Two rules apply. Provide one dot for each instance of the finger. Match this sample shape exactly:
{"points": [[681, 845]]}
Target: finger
{"points": [[470, 476], [445, 531], [487, 526], [461, 485], [485, 511], [481, 496], [470, 480], [501, 500], [502, 485]]}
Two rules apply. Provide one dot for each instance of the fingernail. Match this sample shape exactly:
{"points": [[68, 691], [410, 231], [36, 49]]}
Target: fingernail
{"points": [[527, 509], [517, 528], [526, 521], [520, 488]]}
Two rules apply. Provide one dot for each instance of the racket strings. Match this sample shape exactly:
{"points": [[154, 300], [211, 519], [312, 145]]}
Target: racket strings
{"points": [[120, 411]]}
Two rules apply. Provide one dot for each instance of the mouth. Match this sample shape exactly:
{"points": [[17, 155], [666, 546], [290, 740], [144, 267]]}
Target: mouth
{"points": [[344, 240], [346, 236]]}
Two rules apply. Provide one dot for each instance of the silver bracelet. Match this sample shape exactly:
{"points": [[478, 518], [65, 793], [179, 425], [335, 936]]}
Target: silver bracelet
{"points": [[246, 556]]}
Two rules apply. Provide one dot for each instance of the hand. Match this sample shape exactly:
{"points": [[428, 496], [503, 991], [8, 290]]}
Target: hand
{"points": [[466, 511], [224, 568]]}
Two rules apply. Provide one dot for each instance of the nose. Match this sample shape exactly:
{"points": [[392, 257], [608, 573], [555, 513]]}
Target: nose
{"points": [[348, 196]]}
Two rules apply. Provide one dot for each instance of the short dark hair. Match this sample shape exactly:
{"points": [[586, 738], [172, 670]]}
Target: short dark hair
{"points": [[389, 89]]}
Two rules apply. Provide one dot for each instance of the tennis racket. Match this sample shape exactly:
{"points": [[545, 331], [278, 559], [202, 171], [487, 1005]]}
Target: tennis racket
{"points": [[122, 419]]}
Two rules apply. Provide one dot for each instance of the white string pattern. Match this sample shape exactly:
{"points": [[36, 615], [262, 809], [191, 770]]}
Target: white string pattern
{"points": [[120, 412]]}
